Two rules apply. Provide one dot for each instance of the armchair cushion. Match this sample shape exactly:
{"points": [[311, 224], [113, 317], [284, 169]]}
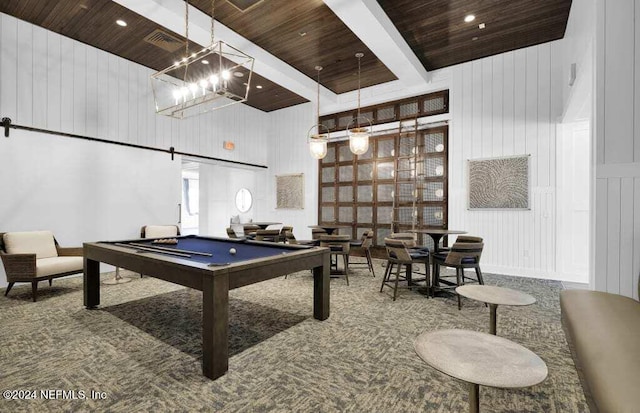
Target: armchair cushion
{"points": [[58, 265], [40, 243]]}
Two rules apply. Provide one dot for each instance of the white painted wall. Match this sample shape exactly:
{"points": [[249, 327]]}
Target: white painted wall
{"points": [[617, 141], [574, 201], [87, 191], [507, 105], [289, 154], [218, 187]]}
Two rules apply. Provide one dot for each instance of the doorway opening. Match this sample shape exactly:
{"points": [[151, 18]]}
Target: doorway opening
{"points": [[190, 209]]}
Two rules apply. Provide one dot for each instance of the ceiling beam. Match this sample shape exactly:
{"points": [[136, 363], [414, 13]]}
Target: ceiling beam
{"points": [[170, 14], [370, 23]]}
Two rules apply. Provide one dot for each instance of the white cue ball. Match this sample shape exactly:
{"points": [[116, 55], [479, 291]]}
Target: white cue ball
{"points": [[232, 251]]}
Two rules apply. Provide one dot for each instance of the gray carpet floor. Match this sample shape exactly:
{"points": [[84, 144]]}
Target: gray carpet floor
{"points": [[142, 348]]}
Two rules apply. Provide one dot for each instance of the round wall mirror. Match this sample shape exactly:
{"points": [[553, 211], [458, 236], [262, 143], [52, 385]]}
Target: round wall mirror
{"points": [[243, 200]]}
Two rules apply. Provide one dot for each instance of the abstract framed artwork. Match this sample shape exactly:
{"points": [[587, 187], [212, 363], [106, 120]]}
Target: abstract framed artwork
{"points": [[499, 183], [290, 191]]}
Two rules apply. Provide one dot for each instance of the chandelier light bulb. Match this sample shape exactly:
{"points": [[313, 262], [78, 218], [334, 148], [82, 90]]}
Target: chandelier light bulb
{"points": [[226, 75], [194, 88], [177, 94], [203, 85]]}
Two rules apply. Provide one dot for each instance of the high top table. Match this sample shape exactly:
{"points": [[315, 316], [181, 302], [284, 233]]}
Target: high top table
{"points": [[436, 234], [480, 359], [263, 224], [330, 228], [495, 296]]}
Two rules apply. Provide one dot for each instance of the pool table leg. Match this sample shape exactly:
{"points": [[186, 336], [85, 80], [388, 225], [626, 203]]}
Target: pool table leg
{"points": [[91, 278], [215, 325], [321, 285]]}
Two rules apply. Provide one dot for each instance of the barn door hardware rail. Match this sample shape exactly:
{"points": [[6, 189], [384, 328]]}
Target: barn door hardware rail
{"points": [[7, 125]]}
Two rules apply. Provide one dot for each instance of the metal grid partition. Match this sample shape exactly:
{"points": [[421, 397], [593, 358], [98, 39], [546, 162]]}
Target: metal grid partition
{"points": [[399, 184]]}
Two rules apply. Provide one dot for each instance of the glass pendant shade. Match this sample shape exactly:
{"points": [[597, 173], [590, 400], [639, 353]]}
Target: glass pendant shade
{"points": [[318, 135], [318, 140], [359, 141], [359, 129]]}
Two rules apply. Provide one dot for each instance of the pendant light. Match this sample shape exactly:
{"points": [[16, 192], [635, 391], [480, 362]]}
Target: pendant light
{"points": [[318, 135], [203, 80], [359, 129]]}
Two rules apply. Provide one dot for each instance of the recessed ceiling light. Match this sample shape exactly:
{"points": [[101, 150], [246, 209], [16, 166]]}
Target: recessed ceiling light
{"points": [[258, 86], [121, 22], [238, 74], [481, 26], [469, 18], [205, 62]]}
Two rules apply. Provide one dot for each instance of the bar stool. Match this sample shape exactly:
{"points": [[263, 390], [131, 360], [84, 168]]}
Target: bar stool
{"points": [[398, 254], [461, 255], [339, 245], [365, 242], [418, 254]]}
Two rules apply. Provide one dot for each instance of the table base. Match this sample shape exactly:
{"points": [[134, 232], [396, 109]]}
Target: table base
{"points": [[493, 308], [474, 398]]}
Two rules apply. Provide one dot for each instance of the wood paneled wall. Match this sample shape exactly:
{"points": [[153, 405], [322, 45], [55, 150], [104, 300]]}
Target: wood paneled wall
{"points": [[617, 136], [507, 105]]}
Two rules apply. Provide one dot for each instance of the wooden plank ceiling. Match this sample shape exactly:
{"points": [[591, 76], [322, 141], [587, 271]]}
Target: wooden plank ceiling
{"points": [[306, 33], [438, 35]]}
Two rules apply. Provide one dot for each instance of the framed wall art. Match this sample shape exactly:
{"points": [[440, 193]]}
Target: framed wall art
{"points": [[499, 183], [290, 191]]}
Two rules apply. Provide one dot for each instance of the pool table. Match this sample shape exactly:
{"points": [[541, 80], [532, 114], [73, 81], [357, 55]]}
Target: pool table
{"points": [[206, 264]]}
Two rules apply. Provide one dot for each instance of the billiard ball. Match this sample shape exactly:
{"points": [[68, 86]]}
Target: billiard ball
{"points": [[232, 251]]}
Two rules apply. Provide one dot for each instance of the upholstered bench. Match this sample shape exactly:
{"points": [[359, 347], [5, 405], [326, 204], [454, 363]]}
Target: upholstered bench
{"points": [[36, 256], [603, 331]]}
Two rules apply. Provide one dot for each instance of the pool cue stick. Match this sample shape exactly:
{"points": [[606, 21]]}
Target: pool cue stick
{"points": [[206, 254], [147, 249]]}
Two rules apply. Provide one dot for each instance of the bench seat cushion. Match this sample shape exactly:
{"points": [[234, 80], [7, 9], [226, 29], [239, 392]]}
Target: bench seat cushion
{"points": [[604, 332], [40, 243], [58, 265]]}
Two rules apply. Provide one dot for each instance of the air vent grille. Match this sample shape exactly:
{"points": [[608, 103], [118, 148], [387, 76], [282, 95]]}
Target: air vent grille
{"points": [[164, 40]]}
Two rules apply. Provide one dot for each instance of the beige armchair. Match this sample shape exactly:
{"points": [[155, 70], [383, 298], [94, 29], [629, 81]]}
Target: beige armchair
{"points": [[36, 256]]}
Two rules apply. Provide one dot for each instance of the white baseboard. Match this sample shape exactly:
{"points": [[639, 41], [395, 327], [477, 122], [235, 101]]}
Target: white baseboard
{"points": [[570, 285], [530, 273]]}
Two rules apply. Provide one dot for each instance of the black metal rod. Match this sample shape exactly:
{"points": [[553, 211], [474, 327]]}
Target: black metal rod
{"points": [[6, 124]]}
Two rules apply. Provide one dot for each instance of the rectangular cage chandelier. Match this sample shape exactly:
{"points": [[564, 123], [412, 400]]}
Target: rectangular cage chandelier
{"points": [[215, 77]]}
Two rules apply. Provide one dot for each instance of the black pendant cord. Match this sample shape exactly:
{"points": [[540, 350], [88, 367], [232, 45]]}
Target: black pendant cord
{"points": [[6, 124]]}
